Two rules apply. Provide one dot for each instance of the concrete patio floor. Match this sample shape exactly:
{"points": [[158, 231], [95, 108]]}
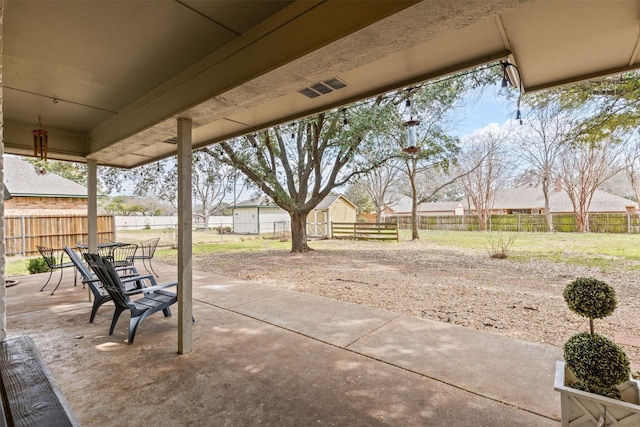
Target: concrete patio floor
{"points": [[268, 356]]}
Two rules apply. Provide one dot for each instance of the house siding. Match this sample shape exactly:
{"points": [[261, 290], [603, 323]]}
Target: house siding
{"points": [[23, 205]]}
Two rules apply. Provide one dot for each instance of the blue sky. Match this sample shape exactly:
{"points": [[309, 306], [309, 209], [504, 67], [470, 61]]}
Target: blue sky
{"points": [[490, 107]]}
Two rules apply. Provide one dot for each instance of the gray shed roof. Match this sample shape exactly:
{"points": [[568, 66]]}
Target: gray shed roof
{"points": [[22, 179]]}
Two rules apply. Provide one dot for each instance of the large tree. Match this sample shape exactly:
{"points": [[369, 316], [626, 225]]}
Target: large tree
{"points": [[485, 168], [540, 142], [297, 165], [583, 168]]}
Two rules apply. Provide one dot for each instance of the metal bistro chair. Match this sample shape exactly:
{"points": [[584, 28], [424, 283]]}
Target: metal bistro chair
{"points": [[54, 262], [147, 249], [120, 255]]}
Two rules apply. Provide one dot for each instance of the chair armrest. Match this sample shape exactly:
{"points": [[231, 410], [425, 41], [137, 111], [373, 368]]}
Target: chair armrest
{"points": [[151, 289], [159, 287], [95, 279], [149, 277]]}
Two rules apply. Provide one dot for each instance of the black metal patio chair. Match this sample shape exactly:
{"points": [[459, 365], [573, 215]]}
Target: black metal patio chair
{"points": [[55, 261], [155, 298], [147, 250], [120, 255]]}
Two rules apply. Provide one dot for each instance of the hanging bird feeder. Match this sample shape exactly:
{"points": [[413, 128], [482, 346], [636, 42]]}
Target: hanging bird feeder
{"points": [[411, 125]]}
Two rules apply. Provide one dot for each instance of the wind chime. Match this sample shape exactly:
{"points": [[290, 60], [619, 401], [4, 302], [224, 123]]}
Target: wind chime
{"points": [[40, 141]]}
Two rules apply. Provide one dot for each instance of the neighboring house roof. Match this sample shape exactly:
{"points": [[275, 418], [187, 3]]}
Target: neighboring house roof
{"points": [[531, 197], [404, 206], [264, 201], [21, 179]]}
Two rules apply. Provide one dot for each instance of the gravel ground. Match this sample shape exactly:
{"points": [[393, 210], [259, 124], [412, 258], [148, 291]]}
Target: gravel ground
{"points": [[468, 288]]}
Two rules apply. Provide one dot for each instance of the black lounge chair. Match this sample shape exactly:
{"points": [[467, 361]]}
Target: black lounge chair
{"points": [[155, 298], [54, 262], [100, 295]]}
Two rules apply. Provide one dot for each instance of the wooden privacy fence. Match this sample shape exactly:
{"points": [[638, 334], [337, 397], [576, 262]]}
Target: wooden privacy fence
{"points": [[23, 233], [598, 223], [365, 231]]}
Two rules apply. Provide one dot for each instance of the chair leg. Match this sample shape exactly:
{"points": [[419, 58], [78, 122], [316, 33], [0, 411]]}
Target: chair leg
{"points": [[150, 266], [45, 285], [166, 312], [97, 302], [59, 281], [116, 316], [133, 327]]}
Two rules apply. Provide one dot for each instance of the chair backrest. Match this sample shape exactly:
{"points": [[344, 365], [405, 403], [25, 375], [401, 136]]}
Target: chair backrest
{"points": [[148, 247], [48, 255], [84, 270], [109, 278], [123, 255]]}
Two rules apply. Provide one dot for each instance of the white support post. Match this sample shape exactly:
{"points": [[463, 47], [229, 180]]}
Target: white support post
{"points": [[92, 207], [185, 302], [3, 249]]}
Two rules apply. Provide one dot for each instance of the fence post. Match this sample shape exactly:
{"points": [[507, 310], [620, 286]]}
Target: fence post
{"points": [[24, 238], [628, 223]]}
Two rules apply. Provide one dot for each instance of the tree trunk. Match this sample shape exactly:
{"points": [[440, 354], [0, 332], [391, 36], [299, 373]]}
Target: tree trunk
{"points": [[415, 235], [299, 233], [547, 207]]}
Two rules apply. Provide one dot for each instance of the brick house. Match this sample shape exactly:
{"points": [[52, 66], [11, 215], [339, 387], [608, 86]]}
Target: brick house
{"points": [[35, 193]]}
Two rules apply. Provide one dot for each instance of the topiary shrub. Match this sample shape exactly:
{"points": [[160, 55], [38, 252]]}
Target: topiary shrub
{"points": [[36, 265], [598, 363], [590, 298]]}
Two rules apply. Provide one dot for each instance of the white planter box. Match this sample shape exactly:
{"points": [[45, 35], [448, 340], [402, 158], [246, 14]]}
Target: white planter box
{"points": [[582, 409]]}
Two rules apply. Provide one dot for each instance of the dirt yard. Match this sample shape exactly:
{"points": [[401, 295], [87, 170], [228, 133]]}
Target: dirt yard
{"points": [[467, 288]]}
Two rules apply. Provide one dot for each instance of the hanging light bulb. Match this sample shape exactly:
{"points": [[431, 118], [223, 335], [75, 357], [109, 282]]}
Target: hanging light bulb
{"points": [[40, 141], [411, 125]]}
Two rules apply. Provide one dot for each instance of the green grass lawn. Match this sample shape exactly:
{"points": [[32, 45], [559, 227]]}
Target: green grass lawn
{"points": [[595, 250], [604, 251]]}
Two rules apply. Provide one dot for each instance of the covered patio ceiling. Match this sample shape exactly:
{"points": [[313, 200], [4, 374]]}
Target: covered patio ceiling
{"points": [[110, 78]]}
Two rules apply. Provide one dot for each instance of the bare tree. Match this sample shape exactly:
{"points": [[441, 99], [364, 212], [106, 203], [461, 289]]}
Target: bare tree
{"points": [[484, 168], [380, 184], [632, 167], [583, 168], [213, 182], [541, 141]]}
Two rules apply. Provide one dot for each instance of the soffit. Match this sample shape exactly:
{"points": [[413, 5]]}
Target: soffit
{"points": [[124, 71]]}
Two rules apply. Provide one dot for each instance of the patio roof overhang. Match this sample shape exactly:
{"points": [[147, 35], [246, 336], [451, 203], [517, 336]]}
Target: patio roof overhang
{"points": [[109, 79]]}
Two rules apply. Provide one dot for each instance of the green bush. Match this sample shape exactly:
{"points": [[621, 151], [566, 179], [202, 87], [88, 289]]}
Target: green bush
{"points": [[37, 265], [597, 362], [590, 297]]}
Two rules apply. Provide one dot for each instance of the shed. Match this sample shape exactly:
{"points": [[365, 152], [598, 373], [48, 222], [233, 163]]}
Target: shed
{"points": [[34, 192], [261, 215], [333, 208]]}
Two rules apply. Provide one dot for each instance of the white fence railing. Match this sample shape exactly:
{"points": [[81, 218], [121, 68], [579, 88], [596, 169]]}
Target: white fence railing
{"points": [[162, 222]]}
